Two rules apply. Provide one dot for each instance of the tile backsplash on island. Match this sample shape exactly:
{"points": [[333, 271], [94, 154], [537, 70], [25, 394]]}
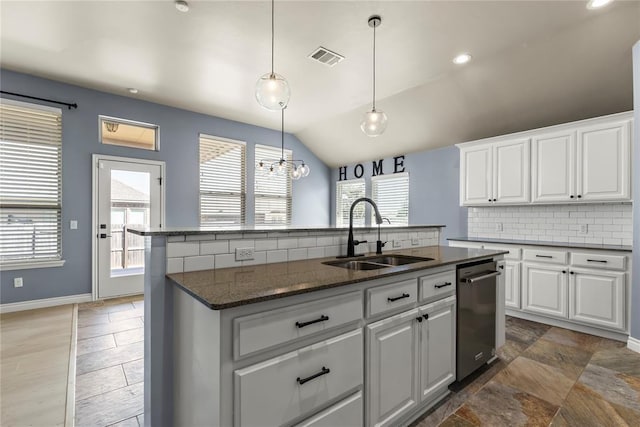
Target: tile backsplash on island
{"points": [[208, 251], [609, 224]]}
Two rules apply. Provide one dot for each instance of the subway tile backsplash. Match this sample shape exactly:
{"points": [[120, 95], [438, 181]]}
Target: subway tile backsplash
{"points": [[609, 224], [218, 251]]}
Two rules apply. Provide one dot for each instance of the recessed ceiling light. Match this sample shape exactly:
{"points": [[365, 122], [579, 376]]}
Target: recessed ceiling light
{"points": [[132, 90], [597, 4], [182, 6], [463, 58]]}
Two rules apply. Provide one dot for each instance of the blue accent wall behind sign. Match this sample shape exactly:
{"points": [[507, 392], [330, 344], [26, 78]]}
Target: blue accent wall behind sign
{"points": [[179, 131], [635, 284], [434, 191]]}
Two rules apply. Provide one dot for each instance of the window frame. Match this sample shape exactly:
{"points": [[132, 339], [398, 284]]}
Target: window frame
{"points": [[378, 178], [103, 118], [243, 174], [288, 154], [364, 193]]}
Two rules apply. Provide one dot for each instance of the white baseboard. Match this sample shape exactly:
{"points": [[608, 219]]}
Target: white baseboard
{"points": [[633, 344], [45, 302]]}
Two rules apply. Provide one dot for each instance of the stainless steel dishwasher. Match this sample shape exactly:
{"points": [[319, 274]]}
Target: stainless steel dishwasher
{"points": [[476, 317]]}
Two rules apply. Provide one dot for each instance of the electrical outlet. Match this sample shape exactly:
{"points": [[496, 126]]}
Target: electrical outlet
{"points": [[415, 241], [498, 226], [244, 254], [73, 224], [583, 229], [17, 282], [397, 243]]}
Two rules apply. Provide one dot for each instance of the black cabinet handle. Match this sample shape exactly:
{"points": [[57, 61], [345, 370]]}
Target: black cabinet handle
{"points": [[571, 272], [426, 316], [572, 196], [443, 285], [564, 271], [579, 196], [419, 319], [597, 260], [311, 322], [495, 200], [489, 199], [501, 267], [397, 298], [544, 256], [324, 371]]}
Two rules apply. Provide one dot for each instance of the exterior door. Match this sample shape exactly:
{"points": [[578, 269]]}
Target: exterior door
{"points": [[128, 194], [511, 181], [545, 290], [553, 167]]}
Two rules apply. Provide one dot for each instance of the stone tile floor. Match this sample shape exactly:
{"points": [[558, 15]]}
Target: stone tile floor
{"points": [[109, 363], [547, 376]]}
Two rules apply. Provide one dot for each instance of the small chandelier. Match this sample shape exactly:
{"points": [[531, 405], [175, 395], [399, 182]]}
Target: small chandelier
{"points": [[374, 122], [272, 90], [298, 168]]}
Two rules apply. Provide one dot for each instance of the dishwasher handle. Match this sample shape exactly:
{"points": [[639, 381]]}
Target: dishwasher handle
{"points": [[472, 280]]}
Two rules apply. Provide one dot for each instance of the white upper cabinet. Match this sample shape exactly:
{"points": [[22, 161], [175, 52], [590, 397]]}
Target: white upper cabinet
{"points": [[586, 161]]}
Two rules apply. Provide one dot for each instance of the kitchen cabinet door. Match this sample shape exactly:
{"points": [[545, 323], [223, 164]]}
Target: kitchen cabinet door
{"points": [[392, 380], [553, 167], [511, 172], [511, 275], [476, 175], [597, 297], [603, 162], [545, 289], [437, 347]]}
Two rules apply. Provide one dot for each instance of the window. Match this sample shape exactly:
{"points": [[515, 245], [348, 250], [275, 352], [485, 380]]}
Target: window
{"points": [[272, 192], [391, 194], [222, 181], [346, 193], [127, 133], [30, 182]]}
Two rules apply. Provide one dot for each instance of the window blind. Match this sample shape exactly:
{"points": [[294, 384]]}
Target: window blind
{"points": [[346, 193], [391, 194], [222, 181], [30, 182], [272, 192]]}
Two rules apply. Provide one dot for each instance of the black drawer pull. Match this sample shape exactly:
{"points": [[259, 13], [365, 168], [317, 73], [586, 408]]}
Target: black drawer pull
{"points": [[426, 316], [397, 298], [443, 285], [597, 260], [544, 256], [324, 371], [311, 322]]}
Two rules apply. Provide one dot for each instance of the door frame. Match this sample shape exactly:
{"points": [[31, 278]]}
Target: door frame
{"points": [[95, 158]]}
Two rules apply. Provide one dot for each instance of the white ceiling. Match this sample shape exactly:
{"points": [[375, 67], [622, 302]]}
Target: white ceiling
{"points": [[535, 63]]}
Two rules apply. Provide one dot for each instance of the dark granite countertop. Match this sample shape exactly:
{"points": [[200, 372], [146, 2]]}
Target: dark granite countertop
{"points": [[624, 248], [182, 231], [230, 287]]}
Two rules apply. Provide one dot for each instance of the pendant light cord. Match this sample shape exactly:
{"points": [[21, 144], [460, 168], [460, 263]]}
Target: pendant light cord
{"points": [[272, 33], [374, 67], [282, 136]]}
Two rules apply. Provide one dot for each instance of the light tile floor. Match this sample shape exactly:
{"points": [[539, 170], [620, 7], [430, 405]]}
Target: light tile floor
{"points": [[109, 363]]}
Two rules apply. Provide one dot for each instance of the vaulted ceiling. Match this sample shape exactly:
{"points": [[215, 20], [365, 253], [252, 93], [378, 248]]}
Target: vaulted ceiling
{"points": [[534, 64]]}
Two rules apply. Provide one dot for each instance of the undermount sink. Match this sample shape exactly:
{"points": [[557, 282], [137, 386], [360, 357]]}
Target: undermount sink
{"points": [[377, 262]]}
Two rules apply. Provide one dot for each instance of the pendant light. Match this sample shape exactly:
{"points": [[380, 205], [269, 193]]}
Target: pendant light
{"points": [[374, 122], [298, 168], [272, 90]]}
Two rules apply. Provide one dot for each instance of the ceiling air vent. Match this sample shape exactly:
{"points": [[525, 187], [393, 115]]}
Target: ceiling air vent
{"points": [[325, 56]]}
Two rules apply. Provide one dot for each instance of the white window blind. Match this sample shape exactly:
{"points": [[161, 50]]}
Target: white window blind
{"points": [[391, 194], [30, 182], [222, 181], [272, 192], [346, 193]]}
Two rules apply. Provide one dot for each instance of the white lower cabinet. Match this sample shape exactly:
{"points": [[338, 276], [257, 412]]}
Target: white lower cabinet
{"points": [[597, 297], [346, 413], [545, 289], [511, 272], [411, 360]]}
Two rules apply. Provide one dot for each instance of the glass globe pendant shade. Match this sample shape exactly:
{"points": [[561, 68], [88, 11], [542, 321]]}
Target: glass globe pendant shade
{"points": [[373, 123], [304, 170], [296, 173], [272, 91]]}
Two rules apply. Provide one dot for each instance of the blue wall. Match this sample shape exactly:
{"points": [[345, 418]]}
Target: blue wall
{"points": [[434, 191], [635, 284], [179, 131]]}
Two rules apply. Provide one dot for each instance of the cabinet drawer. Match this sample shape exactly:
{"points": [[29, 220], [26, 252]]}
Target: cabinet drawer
{"points": [[437, 284], [391, 296], [545, 255], [514, 253], [263, 330], [346, 413], [279, 390], [615, 262]]}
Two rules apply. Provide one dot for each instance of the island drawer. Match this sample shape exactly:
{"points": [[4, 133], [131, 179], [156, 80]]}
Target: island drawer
{"points": [[272, 328], [438, 284], [615, 262], [346, 413], [281, 389], [545, 255], [391, 296]]}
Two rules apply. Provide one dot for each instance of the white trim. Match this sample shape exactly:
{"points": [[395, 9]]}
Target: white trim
{"points": [[221, 139], [43, 303], [22, 104], [633, 344], [70, 411], [389, 176], [28, 265], [95, 158]]}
